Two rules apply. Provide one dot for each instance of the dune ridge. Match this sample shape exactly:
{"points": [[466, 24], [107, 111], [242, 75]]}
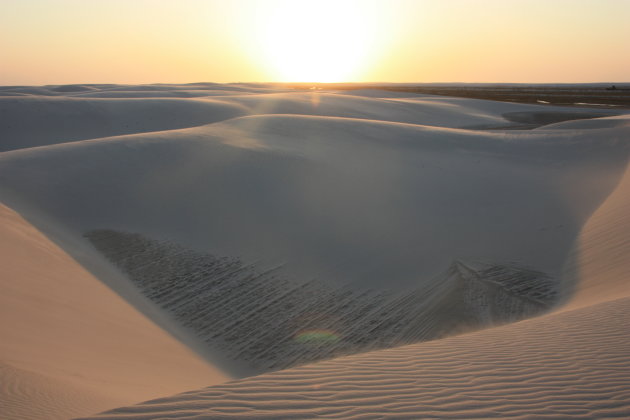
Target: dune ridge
{"points": [[598, 269], [318, 189], [50, 115]]}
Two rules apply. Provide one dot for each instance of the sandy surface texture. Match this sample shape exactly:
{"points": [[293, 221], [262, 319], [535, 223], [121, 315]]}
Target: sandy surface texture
{"points": [[339, 254], [572, 365], [70, 346]]}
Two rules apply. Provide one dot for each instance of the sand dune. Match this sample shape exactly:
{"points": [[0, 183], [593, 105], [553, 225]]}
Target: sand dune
{"points": [[26, 395], [420, 109], [599, 269], [38, 121], [267, 229], [571, 365], [69, 345], [574, 363], [50, 115], [350, 189]]}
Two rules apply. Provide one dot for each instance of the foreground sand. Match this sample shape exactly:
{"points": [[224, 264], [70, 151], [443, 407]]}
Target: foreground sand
{"points": [[70, 346], [571, 365], [250, 222]]}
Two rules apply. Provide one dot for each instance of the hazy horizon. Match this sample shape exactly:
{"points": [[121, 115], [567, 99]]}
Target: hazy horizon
{"points": [[369, 41], [366, 83]]}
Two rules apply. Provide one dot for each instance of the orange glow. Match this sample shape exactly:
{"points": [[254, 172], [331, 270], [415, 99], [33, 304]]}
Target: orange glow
{"points": [[146, 41]]}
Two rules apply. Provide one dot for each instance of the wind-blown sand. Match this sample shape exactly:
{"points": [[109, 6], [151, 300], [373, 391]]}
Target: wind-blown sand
{"points": [[270, 229]]}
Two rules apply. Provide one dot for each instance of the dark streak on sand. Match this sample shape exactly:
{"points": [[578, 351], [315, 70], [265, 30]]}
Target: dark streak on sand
{"points": [[253, 315]]}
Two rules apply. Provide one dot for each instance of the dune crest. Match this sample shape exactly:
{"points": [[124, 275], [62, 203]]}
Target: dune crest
{"points": [[599, 268]]}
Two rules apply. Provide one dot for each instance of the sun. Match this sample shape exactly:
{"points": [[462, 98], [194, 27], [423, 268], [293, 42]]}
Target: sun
{"points": [[317, 41]]}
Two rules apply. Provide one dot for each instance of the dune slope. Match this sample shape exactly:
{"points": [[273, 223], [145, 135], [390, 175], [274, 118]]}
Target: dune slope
{"points": [[599, 269], [70, 346]]}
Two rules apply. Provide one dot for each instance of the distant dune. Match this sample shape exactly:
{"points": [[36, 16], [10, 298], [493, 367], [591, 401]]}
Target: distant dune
{"points": [[161, 238]]}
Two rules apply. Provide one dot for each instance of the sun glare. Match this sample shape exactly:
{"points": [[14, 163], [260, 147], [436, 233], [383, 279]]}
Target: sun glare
{"points": [[317, 41]]}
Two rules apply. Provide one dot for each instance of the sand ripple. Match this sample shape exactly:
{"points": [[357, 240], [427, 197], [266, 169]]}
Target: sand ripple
{"points": [[263, 321], [28, 396], [569, 365]]}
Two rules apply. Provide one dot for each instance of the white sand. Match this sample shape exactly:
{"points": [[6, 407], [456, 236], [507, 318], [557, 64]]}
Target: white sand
{"points": [[360, 189]]}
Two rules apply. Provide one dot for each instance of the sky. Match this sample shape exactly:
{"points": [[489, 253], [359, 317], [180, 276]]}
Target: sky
{"points": [[404, 41]]}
